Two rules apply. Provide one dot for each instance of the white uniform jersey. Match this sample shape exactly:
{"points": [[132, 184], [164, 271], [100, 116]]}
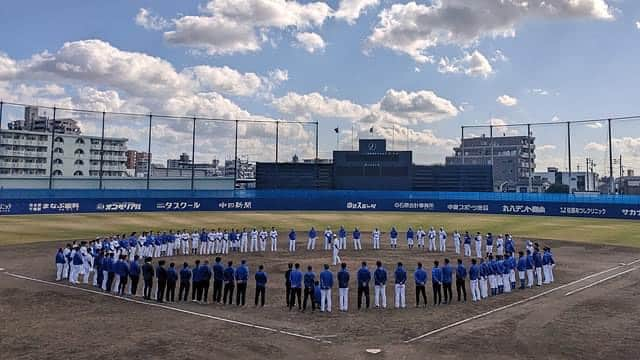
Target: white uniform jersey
{"points": [[273, 235], [254, 235]]}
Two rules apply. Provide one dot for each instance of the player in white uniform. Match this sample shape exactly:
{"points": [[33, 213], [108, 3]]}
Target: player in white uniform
{"points": [[273, 234], [225, 242], [529, 246], [479, 245], [443, 240], [244, 240], [263, 240], [195, 241], [420, 235], [185, 242], [456, 241], [342, 238], [336, 250], [500, 245], [375, 236], [254, 240], [204, 242], [432, 239], [328, 235], [211, 242]]}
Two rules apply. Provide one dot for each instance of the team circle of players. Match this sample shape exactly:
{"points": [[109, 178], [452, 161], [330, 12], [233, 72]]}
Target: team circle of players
{"points": [[117, 263]]}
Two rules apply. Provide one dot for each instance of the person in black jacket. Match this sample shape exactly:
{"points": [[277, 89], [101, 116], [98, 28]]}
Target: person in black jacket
{"points": [[172, 280], [185, 282], [147, 276], [161, 275], [287, 283], [205, 281]]}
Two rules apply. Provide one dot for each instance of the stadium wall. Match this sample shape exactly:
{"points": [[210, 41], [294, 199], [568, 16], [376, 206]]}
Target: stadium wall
{"points": [[20, 202]]}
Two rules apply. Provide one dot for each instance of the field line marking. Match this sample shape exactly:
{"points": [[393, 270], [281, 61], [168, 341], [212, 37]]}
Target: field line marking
{"points": [[166, 307], [600, 281], [504, 307]]}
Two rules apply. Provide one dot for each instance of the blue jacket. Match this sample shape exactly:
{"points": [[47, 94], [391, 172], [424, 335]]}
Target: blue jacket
{"points": [[309, 279], [409, 234], [205, 273], [343, 279], [77, 258], [261, 279], [547, 258], [172, 274], [467, 239], [122, 269], [228, 274], [522, 263], [292, 235], [317, 294], [400, 275], [537, 259], [134, 269], [394, 233], [107, 264], [420, 276], [380, 276], [197, 274], [342, 233], [60, 258], [364, 276], [509, 246], [484, 270], [313, 234], [185, 274], [489, 240], [461, 272], [326, 279], [296, 279], [447, 274], [529, 262], [356, 234], [436, 275], [242, 273], [493, 267], [499, 267], [218, 271], [474, 272]]}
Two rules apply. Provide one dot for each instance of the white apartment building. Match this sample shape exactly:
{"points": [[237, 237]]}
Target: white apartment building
{"points": [[28, 153]]}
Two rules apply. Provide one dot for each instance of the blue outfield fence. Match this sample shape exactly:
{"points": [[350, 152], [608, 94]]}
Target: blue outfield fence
{"points": [[20, 202]]}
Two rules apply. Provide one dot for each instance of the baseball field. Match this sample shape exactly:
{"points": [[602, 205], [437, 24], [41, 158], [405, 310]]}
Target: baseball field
{"points": [[591, 311]]}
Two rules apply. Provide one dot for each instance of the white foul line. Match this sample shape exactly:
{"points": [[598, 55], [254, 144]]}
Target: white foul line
{"points": [[235, 322], [457, 323], [600, 281]]}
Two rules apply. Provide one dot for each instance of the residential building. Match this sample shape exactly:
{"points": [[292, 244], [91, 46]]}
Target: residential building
{"points": [[245, 169], [30, 153], [511, 157], [33, 121], [577, 181], [138, 161]]}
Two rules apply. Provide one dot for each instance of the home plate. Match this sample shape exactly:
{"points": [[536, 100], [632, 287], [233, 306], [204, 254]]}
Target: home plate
{"points": [[373, 351]]}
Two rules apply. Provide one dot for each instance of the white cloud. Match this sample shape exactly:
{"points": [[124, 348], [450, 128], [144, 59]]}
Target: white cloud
{"points": [[414, 28], [240, 26], [316, 104], [541, 92], [310, 41], [223, 79], [472, 64], [150, 21], [420, 106], [499, 126], [637, 24], [350, 10], [595, 125], [507, 100], [546, 147], [8, 67], [593, 146], [555, 118], [499, 56]]}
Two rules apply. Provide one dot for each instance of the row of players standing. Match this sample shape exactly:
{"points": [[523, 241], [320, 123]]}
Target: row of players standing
{"points": [[221, 241]]}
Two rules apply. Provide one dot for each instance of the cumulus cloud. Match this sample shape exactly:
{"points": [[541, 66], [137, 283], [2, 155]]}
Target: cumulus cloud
{"points": [[595, 125], [223, 79], [310, 42], [350, 10], [150, 21], [421, 106], [507, 100], [594, 146], [541, 92], [414, 28], [472, 64], [240, 26], [316, 104]]}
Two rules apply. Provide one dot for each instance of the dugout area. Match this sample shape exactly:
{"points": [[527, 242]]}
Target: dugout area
{"points": [[49, 321]]}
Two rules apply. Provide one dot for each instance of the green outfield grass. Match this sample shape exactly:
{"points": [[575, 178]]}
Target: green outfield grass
{"points": [[37, 228]]}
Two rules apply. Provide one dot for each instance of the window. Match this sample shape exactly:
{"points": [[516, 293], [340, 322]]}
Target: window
{"points": [[57, 161], [58, 150], [80, 141], [77, 173], [57, 173], [79, 162], [79, 152], [59, 139]]}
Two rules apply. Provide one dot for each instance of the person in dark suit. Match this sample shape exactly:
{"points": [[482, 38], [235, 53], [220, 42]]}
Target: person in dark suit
{"points": [[147, 276], [229, 284], [172, 280], [205, 281], [185, 282], [287, 283], [162, 276]]}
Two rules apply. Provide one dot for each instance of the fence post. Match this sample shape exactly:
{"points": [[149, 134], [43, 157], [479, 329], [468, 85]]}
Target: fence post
{"points": [[193, 154], [529, 150], [569, 150], [277, 138], [612, 186], [1, 108], [462, 145], [101, 150], [53, 135], [149, 154], [235, 160]]}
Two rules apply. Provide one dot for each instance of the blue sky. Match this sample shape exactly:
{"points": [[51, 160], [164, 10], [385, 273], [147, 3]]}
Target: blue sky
{"points": [[416, 70]]}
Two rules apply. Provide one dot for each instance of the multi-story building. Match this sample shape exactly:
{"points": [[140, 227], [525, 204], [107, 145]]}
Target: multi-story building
{"points": [[245, 169], [577, 181], [512, 158], [138, 161], [24, 153], [33, 121]]}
